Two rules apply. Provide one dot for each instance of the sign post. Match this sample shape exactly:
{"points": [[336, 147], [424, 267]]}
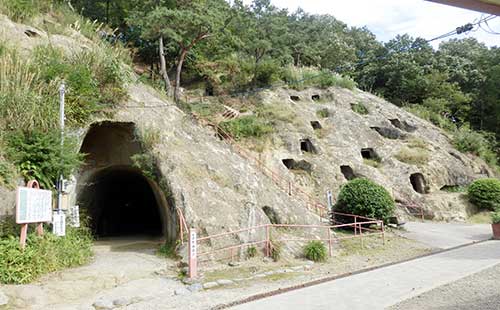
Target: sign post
{"points": [[33, 205], [193, 262], [329, 199]]}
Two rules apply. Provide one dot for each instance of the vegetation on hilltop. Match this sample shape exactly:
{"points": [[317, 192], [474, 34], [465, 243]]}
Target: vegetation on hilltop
{"points": [[257, 45]]}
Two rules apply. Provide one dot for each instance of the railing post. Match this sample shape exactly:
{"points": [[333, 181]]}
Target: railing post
{"points": [[330, 241], [361, 236], [383, 232], [355, 225], [289, 188], [193, 260], [268, 242]]}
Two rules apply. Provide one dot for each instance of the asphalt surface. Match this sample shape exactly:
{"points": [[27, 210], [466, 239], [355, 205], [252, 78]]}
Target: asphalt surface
{"points": [[384, 287]]}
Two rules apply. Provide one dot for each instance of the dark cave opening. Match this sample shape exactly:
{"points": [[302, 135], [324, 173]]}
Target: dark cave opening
{"points": [[121, 201], [418, 183], [315, 125], [347, 172]]}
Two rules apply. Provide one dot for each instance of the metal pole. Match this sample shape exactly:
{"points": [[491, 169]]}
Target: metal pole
{"points": [[62, 90]]}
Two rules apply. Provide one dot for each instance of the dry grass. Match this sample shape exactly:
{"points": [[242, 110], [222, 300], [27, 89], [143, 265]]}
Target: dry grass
{"points": [[414, 156]]}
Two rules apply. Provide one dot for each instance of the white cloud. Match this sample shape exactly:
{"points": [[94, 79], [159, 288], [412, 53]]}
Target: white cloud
{"points": [[387, 18]]}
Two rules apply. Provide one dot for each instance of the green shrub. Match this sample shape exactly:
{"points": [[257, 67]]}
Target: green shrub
{"points": [[324, 113], [21, 10], [246, 127], [359, 108], [168, 250], [276, 249], [366, 198], [315, 251], [251, 251], [478, 143], [43, 255], [495, 217], [38, 155], [485, 193]]}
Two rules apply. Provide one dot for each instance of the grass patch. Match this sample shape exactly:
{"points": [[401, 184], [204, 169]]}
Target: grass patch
{"points": [[372, 162], [323, 113], [301, 78], [359, 108], [413, 156], [483, 217], [246, 127], [278, 112], [168, 250], [43, 255]]}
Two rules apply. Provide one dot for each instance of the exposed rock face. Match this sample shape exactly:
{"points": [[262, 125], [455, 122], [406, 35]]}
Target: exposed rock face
{"points": [[385, 130], [7, 203]]}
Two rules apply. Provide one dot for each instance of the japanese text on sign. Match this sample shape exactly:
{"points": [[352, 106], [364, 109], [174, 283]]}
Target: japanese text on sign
{"points": [[33, 205]]}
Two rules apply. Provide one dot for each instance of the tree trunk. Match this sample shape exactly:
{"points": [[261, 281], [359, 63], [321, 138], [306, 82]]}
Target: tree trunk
{"points": [[178, 75], [163, 68]]}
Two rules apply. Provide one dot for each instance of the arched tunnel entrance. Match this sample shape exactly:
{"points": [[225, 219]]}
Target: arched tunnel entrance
{"points": [[118, 197], [121, 201]]}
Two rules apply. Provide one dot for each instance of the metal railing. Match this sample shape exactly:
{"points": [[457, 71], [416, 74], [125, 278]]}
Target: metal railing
{"points": [[362, 228]]}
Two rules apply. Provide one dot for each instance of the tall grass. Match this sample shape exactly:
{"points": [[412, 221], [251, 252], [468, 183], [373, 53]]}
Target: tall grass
{"points": [[301, 78]]}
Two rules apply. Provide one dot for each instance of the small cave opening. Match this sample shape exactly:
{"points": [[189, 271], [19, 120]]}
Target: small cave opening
{"points": [[315, 97], [307, 146], [402, 125], [348, 172], [294, 98], [30, 33], [369, 153], [121, 201], [316, 125], [292, 164], [272, 215], [388, 133], [418, 183]]}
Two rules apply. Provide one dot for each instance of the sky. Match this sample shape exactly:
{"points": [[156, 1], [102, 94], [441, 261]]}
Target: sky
{"points": [[388, 18]]}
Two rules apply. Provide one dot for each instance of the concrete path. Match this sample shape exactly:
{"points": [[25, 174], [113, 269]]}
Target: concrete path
{"points": [[387, 286], [446, 235]]}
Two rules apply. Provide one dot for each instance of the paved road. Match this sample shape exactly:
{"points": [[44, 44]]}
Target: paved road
{"points": [[446, 235], [387, 286]]}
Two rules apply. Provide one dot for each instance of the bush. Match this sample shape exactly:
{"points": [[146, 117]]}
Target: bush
{"points": [[495, 217], [168, 249], [43, 255], [38, 155], [246, 127], [251, 251], [276, 251], [477, 143], [366, 198], [315, 251], [485, 193]]}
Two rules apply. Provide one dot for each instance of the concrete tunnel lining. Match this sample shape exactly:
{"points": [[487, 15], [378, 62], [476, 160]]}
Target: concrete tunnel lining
{"points": [[119, 199]]}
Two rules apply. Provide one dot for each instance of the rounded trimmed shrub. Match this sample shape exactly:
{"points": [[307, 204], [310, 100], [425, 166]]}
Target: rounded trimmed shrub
{"points": [[366, 198], [495, 217], [485, 193], [315, 251]]}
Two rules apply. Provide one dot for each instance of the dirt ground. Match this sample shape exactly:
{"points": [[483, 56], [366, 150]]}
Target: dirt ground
{"points": [[127, 274]]}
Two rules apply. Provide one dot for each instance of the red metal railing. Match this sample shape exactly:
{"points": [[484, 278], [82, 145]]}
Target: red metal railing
{"points": [[361, 228]]}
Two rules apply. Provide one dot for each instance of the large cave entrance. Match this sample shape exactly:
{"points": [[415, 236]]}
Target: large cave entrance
{"points": [[121, 201], [118, 198]]}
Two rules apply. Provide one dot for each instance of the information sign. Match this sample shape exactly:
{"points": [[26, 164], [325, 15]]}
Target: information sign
{"points": [[59, 223], [33, 205]]}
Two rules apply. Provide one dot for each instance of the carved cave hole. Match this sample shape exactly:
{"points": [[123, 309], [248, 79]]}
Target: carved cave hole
{"points": [[291, 164], [348, 172], [369, 153], [315, 97], [295, 98], [402, 125], [307, 146], [418, 183], [316, 125], [272, 215]]}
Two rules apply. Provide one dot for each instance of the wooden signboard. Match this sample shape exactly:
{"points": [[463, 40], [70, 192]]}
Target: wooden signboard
{"points": [[33, 205]]}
